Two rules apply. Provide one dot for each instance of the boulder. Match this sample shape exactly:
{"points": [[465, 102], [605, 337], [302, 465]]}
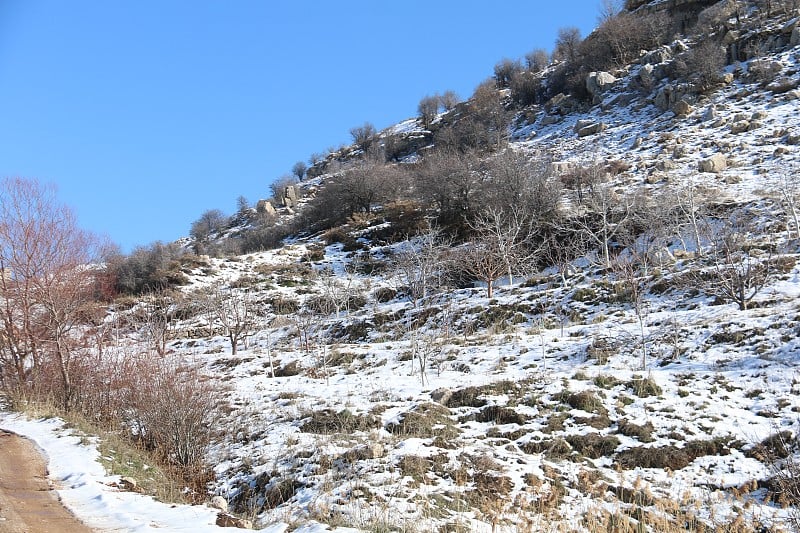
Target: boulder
{"points": [[218, 502], [442, 396], [646, 77], [660, 55], [740, 127], [681, 108], [598, 82], [226, 520], [128, 483], [547, 120], [715, 163], [591, 129], [264, 207], [710, 114], [582, 123]]}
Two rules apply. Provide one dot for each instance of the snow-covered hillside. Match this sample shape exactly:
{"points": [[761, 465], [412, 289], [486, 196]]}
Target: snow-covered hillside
{"points": [[580, 398]]}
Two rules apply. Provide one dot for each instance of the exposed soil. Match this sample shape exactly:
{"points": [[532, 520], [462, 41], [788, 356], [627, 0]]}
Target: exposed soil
{"points": [[27, 503]]}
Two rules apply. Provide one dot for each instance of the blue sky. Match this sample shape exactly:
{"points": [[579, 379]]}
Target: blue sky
{"points": [[147, 113]]}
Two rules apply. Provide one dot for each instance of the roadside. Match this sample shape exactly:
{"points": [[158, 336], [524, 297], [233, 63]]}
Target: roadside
{"points": [[27, 503]]}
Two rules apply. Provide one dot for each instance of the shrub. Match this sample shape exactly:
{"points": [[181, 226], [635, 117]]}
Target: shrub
{"points": [[594, 445], [330, 421], [644, 387], [642, 432]]}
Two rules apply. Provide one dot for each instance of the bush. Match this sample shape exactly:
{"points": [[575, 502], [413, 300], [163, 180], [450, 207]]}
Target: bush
{"points": [[702, 65]]}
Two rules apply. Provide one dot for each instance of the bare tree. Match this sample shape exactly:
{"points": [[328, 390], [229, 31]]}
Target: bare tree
{"points": [[789, 192], [604, 219], [537, 60], [155, 319], [505, 70], [47, 284], [234, 311], [631, 270], [507, 234], [427, 109], [448, 100], [692, 216], [299, 170], [737, 273], [567, 44], [419, 265], [364, 136]]}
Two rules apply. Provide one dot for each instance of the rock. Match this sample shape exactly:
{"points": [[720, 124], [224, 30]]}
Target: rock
{"points": [[442, 396], [373, 450], [733, 180], [218, 502], [592, 129], [715, 163], [660, 55], [289, 196], [646, 76], [710, 114], [550, 119], [226, 520], [719, 122], [128, 483], [681, 108], [793, 139], [264, 207], [561, 104], [727, 78], [666, 165], [637, 142], [598, 82], [794, 40], [582, 123], [740, 126]]}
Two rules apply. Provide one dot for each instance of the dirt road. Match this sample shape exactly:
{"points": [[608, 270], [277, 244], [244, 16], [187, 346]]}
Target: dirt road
{"points": [[27, 505]]}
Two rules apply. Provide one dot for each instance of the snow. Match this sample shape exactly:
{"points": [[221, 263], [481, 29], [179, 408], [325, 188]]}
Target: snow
{"points": [[90, 494]]}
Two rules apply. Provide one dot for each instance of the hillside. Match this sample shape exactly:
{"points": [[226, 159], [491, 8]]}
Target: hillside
{"points": [[639, 370], [578, 398]]}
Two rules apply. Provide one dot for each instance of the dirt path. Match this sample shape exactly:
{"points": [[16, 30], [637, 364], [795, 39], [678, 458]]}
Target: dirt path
{"points": [[27, 505]]}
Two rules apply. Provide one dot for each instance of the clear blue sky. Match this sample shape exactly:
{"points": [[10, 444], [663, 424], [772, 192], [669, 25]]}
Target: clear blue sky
{"points": [[146, 113]]}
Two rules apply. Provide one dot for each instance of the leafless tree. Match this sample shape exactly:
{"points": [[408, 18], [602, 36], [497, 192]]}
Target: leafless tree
{"points": [[364, 136], [419, 265], [523, 181], [789, 192], [481, 260], [448, 100], [692, 216], [450, 181], [427, 109], [604, 219], [47, 284], [567, 44], [155, 319], [631, 269], [505, 70], [507, 234], [337, 292], [234, 311], [737, 273], [537, 60], [299, 170]]}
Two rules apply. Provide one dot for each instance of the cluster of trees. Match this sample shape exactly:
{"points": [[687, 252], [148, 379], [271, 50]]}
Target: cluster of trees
{"points": [[60, 346]]}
